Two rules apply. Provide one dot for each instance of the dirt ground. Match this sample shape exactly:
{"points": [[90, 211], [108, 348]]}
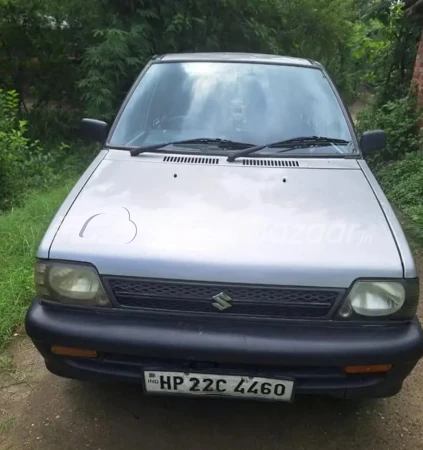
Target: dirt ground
{"points": [[41, 411]]}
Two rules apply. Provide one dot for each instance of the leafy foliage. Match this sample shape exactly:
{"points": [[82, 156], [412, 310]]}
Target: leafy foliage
{"points": [[35, 50], [48, 47], [24, 163], [134, 30], [400, 119], [110, 65], [403, 183], [383, 46], [41, 43]]}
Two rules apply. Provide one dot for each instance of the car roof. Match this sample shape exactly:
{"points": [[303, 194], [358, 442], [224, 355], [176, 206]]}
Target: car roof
{"points": [[237, 57]]}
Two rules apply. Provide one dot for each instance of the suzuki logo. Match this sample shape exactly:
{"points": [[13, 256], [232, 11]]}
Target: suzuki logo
{"points": [[222, 301]]}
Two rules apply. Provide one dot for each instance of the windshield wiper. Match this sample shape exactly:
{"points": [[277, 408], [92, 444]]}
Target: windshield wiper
{"points": [[222, 143], [297, 142]]}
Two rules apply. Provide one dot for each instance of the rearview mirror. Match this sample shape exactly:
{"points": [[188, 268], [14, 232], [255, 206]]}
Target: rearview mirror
{"points": [[372, 141], [93, 130]]}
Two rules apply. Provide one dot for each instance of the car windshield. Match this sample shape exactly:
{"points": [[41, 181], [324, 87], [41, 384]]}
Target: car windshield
{"points": [[242, 102]]}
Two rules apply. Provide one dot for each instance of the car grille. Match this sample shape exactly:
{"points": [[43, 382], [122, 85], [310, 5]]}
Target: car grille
{"points": [[246, 300]]}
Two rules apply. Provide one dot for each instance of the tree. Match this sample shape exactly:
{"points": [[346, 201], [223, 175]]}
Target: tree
{"points": [[57, 53], [384, 43], [134, 30]]}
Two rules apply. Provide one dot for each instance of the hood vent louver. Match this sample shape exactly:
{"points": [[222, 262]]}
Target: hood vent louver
{"points": [[190, 160], [270, 162]]}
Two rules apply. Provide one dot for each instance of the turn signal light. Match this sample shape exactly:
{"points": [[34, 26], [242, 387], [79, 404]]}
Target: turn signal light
{"points": [[73, 352], [368, 369]]}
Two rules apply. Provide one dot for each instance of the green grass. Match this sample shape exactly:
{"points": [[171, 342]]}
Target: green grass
{"points": [[21, 231], [5, 424], [7, 365]]}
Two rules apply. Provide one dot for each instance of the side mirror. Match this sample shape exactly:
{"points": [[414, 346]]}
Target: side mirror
{"points": [[372, 141], [93, 130]]}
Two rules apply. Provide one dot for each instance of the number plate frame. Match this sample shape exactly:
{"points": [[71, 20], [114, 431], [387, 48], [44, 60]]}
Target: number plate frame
{"points": [[288, 382]]}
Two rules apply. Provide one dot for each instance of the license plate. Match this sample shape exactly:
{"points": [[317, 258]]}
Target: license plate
{"points": [[218, 385]]}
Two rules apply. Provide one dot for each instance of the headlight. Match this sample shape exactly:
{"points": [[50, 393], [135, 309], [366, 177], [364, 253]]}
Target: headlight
{"points": [[397, 299], [74, 284]]}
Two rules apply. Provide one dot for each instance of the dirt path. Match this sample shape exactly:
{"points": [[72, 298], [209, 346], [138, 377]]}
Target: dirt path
{"points": [[355, 108], [41, 411]]}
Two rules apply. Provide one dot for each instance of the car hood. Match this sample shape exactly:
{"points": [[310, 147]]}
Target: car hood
{"points": [[317, 223]]}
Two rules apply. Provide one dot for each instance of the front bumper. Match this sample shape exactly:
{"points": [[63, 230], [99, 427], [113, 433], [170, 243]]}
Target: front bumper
{"points": [[312, 354]]}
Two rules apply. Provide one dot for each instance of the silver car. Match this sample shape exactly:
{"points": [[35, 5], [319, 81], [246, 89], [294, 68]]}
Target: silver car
{"points": [[229, 240]]}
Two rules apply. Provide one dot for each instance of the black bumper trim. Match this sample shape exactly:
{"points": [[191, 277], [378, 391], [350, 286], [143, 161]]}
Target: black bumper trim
{"points": [[354, 387], [330, 345]]}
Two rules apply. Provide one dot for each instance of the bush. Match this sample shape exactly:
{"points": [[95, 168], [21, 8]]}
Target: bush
{"points": [[52, 125], [24, 164], [403, 184], [400, 119]]}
